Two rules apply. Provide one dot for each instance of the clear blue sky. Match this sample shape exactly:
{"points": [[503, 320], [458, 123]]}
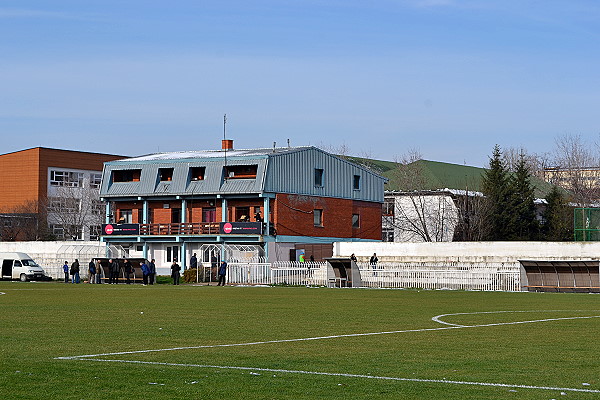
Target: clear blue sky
{"points": [[449, 77]]}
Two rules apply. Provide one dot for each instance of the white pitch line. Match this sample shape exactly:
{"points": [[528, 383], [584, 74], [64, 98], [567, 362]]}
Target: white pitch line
{"points": [[320, 338], [437, 318], [388, 378]]}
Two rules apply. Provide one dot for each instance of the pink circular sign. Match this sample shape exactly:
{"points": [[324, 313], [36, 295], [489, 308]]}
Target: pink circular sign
{"points": [[227, 228], [109, 229]]}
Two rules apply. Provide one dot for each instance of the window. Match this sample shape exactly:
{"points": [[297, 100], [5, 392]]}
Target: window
{"points": [[97, 207], [64, 205], [197, 173], [95, 180], [355, 221], [172, 252], [319, 177], [387, 235], [127, 175], [165, 174], [388, 206], [95, 232], [125, 216], [240, 171], [318, 217], [58, 231], [356, 182], [66, 178]]}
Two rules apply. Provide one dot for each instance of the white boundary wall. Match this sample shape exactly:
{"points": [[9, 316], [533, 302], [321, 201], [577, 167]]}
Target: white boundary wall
{"points": [[51, 258], [468, 252]]}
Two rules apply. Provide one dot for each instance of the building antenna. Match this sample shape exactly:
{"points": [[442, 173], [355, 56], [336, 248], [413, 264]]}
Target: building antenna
{"points": [[224, 137]]}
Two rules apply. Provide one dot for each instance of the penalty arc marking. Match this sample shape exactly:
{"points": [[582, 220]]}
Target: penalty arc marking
{"points": [[95, 357]]}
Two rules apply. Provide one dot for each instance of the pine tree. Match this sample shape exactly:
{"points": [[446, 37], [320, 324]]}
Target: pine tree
{"points": [[522, 221], [558, 217], [495, 184]]}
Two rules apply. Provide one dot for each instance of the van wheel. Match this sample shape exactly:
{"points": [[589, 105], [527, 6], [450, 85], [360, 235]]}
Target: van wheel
{"points": [[23, 278]]}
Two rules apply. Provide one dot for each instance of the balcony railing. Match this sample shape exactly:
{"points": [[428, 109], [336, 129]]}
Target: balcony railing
{"points": [[188, 228]]}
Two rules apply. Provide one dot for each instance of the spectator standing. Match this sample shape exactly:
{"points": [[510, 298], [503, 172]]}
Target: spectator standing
{"points": [[75, 271], [353, 257], [66, 271], [145, 272], [175, 268], [152, 272], [222, 273], [92, 271], [113, 269], [373, 263], [128, 270], [194, 262]]}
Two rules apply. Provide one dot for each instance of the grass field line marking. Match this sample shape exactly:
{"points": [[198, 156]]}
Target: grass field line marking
{"points": [[319, 338], [345, 375], [437, 318]]}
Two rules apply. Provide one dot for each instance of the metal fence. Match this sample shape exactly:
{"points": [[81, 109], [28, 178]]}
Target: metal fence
{"points": [[482, 276]]}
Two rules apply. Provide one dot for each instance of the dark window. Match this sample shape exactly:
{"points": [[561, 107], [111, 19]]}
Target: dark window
{"points": [[209, 214], [318, 177], [197, 173], [240, 171], [242, 214], [175, 215], [172, 252], [165, 174], [125, 216], [355, 221], [356, 182], [140, 216], [318, 214], [127, 175], [388, 206]]}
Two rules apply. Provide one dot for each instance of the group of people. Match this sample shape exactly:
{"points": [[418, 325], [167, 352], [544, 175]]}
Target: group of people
{"points": [[114, 270]]}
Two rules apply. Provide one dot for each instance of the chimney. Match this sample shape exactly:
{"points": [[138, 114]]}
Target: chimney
{"points": [[227, 144]]}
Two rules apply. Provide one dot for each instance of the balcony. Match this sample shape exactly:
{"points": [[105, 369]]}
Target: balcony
{"points": [[196, 228]]}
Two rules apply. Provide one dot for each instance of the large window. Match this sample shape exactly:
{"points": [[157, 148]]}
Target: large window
{"points": [[165, 174], [95, 232], [127, 175], [125, 216], [64, 205], [318, 214], [95, 180], [388, 206], [197, 173], [387, 235], [241, 171], [172, 253], [318, 177], [66, 178]]}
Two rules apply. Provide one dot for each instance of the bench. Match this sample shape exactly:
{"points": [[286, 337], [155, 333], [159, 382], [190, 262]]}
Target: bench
{"points": [[546, 288]]}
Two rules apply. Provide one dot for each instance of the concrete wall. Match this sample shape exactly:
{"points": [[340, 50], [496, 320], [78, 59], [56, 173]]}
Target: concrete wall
{"points": [[470, 252]]}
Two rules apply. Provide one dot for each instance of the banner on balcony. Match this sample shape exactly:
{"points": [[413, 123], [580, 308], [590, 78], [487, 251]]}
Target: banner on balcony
{"points": [[120, 229], [240, 228]]}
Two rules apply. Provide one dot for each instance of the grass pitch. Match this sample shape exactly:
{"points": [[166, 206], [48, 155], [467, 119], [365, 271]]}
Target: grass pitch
{"points": [[60, 341]]}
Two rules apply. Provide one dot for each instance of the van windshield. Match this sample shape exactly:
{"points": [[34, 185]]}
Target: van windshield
{"points": [[29, 263]]}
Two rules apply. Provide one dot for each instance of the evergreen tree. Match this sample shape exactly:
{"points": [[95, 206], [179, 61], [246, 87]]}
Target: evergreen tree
{"points": [[558, 217], [495, 184], [522, 221]]}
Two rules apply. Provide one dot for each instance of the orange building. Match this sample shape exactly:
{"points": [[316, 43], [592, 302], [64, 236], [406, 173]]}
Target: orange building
{"points": [[33, 179]]}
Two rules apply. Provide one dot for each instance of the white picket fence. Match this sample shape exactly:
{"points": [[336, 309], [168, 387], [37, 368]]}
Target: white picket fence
{"points": [[483, 276]]}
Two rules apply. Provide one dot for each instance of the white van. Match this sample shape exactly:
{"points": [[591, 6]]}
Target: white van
{"points": [[20, 266]]}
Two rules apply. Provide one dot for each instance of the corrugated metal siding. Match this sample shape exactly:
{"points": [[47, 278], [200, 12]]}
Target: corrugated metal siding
{"points": [[213, 182], [294, 173]]}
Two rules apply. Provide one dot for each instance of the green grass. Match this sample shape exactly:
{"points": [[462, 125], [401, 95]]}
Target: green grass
{"points": [[42, 321]]}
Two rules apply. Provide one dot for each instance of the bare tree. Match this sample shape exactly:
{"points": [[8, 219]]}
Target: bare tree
{"points": [[74, 209], [24, 222], [576, 168]]}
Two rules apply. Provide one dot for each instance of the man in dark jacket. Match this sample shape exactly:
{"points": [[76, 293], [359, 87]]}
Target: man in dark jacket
{"points": [[222, 273], [194, 262], [75, 271], [128, 270], [175, 268], [152, 272], [113, 268]]}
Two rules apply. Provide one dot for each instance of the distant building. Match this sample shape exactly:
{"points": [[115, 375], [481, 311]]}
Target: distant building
{"points": [[54, 188], [257, 204]]}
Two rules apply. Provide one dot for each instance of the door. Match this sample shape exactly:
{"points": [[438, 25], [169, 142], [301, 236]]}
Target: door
{"points": [[7, 268], [175, 215], [209, 215]]}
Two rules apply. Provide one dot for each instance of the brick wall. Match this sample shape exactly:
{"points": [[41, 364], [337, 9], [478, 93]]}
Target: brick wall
{"points": [[294, 215]]}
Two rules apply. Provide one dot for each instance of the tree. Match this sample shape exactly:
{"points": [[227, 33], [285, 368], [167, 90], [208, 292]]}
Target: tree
{"points": [[421, 214], [575, 169], [557, 217], [496, 189], [74, 209], [522, 224]]}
